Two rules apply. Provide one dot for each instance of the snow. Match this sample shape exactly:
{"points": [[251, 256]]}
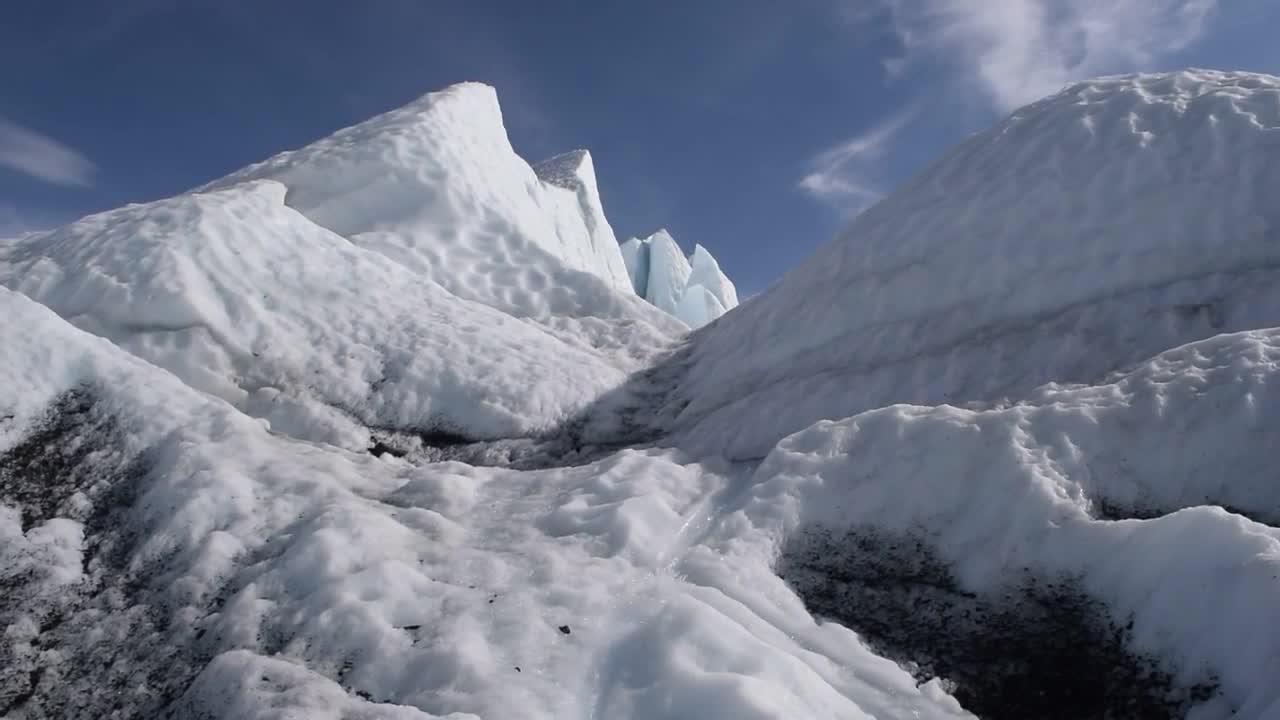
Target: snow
{"points": [[692, 289], [437, 187], [1043, 486], [244, 298], [1085, 233], [410, 273], [275, 578], [1045, 369]]}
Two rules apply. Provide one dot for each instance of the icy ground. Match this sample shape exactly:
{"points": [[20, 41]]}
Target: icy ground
{"points": [[379, 428]]}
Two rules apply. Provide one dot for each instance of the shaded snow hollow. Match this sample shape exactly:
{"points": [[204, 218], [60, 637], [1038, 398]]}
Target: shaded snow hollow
{"points": [[222, 415]]}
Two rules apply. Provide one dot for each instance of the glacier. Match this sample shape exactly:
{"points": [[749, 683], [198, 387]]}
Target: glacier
{"points": [[693, 289], [391, 426]]}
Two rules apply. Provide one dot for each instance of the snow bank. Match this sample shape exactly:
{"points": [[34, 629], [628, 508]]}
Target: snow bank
{"points": [[244, 298], [1085, 233], [692, 289], [1039, 490]]}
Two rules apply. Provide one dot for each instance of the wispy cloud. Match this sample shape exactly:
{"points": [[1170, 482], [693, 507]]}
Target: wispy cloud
{"points": [[847, 175], [1016, 51], [42, 157]]}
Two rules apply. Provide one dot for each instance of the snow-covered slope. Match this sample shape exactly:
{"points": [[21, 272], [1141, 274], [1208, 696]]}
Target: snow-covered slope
{"points": [[1086, 232], [1039, 497], [163, 554], [495, 314], [692, 289]]}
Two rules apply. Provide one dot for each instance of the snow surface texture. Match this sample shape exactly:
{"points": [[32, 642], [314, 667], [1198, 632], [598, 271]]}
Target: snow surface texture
{"points": [[193, 523], [1085, 233], [693, 289]]}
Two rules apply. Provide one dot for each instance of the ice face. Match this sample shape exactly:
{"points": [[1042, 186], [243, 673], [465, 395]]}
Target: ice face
{"points": [[675, 284]]}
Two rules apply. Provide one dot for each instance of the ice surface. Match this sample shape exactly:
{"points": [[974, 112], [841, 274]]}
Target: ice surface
{"points": [[635, 255], [668, 272], [1085, 233], [705, 271], [692, 289]]}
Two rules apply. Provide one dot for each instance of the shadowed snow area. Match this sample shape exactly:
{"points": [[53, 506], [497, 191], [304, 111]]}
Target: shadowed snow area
{"points": [[387, 427]]}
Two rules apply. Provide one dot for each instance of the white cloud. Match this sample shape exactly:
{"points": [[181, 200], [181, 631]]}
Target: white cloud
{"points": [[41, 157], [847, 174], [1017, 51]]}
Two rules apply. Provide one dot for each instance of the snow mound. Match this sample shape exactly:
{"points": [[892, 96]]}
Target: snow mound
{"points": [[244, 298], [436, 186], [692, 289], [1083, 234], [1041, 492], [155, 539]]}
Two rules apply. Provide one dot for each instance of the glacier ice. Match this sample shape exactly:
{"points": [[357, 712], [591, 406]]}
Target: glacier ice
{"points": [[692, 289], [1039, 379]]}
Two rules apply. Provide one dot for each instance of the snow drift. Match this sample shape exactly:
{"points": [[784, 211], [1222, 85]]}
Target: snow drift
{"points": [[693, 289]]}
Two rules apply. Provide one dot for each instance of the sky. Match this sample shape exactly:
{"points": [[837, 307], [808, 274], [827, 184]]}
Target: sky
{"points": [[757, 128]]}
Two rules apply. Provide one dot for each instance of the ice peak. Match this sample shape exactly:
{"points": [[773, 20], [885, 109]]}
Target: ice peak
{"points": [[692, 288]]}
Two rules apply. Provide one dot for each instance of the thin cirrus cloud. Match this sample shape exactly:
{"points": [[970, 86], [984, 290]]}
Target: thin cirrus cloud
{"points": [[846, 175], [41, 157], [1017, 51], [1004, 52]]}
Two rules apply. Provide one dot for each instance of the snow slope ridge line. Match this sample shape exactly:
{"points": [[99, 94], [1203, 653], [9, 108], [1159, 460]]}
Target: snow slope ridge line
{"points": [[1134, 214]]}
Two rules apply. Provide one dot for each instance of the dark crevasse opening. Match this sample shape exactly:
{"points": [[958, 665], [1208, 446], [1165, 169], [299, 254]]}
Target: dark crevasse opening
{"points": [[1038, 647]]}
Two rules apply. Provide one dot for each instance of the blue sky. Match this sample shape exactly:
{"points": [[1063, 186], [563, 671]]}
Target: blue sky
{"points": [[755, 127]]}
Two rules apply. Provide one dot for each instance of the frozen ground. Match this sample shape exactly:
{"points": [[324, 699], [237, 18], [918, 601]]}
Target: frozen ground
{"points": [[381, 429]]}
